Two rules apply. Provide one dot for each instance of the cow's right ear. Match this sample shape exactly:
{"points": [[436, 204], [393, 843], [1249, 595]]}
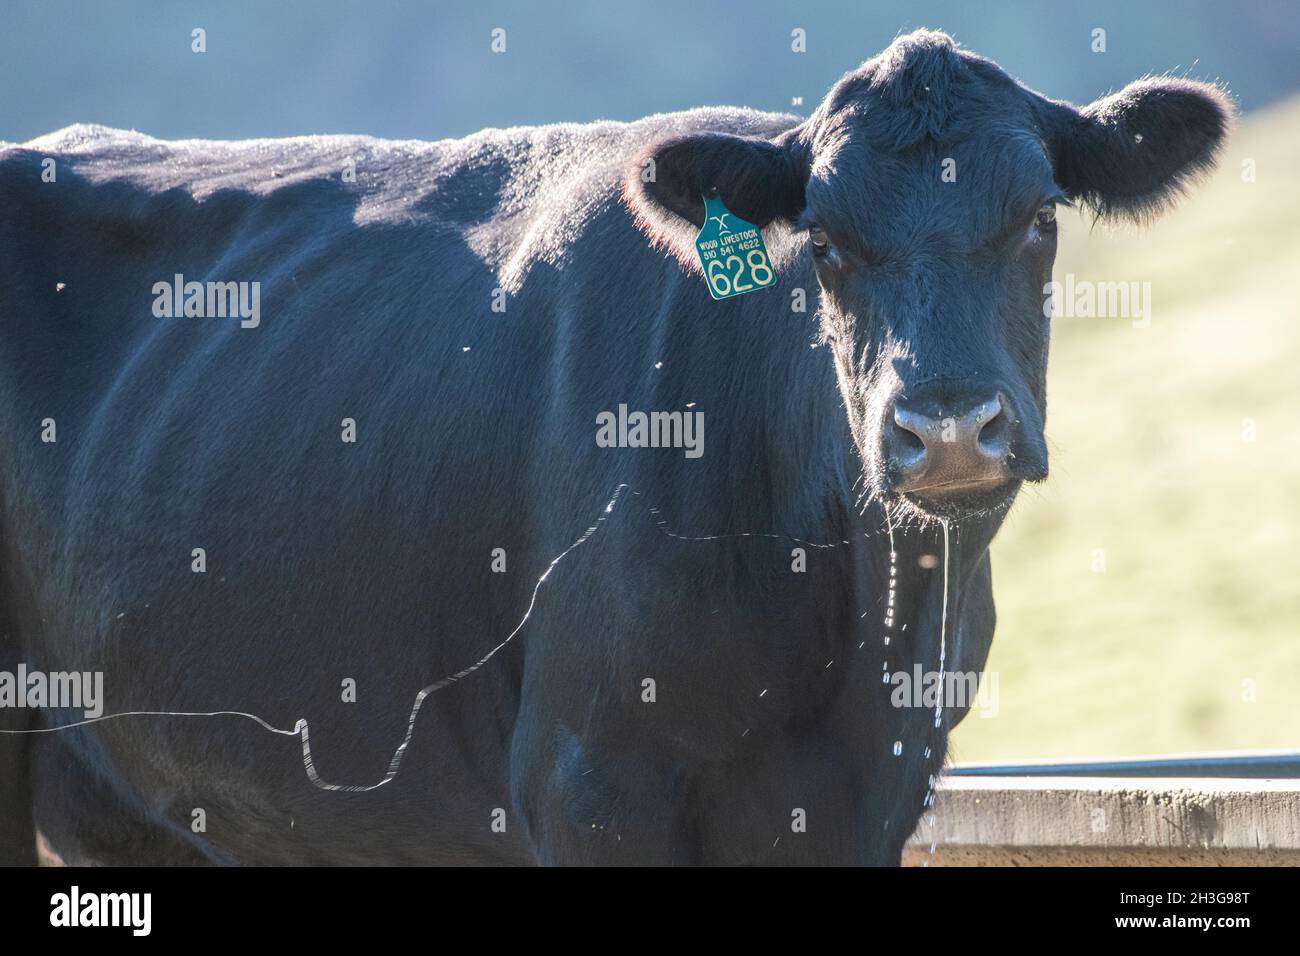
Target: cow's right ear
{"points": [[757, 179]]}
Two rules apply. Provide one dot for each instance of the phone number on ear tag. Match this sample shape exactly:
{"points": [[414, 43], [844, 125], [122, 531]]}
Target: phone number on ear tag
{"points": [[731, 253]]}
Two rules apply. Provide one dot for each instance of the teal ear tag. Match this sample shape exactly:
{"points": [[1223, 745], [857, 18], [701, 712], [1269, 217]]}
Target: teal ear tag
{"points": [[731, 252]]}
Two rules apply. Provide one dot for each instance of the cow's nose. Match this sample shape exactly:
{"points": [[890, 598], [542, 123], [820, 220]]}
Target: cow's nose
{"points": [[944, 448]]}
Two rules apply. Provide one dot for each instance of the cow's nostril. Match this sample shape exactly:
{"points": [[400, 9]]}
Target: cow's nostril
{"points": [[909, 440], [994, 438], [906, 441]]}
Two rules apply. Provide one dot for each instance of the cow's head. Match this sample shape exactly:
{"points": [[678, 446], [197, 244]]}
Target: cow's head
{"points": [[924, 190]]}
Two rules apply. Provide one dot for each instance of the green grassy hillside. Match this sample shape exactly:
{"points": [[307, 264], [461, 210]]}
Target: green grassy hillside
{"points": [[1176, 452]]}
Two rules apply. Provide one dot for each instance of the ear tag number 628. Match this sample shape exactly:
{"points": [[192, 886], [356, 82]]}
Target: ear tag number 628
{"points": [[731, 252]]}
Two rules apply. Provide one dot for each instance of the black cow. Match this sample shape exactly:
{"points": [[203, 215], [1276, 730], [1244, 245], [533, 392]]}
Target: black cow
{"points": [[560, 652]]}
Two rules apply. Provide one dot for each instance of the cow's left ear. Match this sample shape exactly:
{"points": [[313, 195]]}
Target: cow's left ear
{"points": [[1134, 152], [759, 180]]}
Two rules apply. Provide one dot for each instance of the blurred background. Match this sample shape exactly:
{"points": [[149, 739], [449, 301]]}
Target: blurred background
{"points": [[1149, 593]]}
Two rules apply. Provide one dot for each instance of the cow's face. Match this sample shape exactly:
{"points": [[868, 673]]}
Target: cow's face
{"points": [[924, 191]]}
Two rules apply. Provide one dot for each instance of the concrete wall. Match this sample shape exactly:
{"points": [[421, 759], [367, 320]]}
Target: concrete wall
{"points": [[1109, 821]]}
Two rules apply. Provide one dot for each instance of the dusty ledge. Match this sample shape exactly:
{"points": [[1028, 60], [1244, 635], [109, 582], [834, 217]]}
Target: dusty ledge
{"points": [[1109, 821]]}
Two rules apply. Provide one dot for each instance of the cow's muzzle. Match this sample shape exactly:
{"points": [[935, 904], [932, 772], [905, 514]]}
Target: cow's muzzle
{"points": [[951, 448]]}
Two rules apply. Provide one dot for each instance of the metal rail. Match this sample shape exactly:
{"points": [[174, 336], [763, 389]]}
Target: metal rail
{"points": [[1250, 765]]}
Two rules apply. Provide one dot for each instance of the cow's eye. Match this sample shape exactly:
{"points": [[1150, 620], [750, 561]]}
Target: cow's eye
{"points": [[1046, 216], [820, 242]]}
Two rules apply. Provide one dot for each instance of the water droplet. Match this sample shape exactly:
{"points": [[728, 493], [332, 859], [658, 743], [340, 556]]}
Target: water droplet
{"points": [[898, 748]]}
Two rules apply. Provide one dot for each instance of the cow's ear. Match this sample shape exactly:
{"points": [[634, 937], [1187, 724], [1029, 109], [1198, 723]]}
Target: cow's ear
{"points": [[1133, 153], [757, 179]]}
